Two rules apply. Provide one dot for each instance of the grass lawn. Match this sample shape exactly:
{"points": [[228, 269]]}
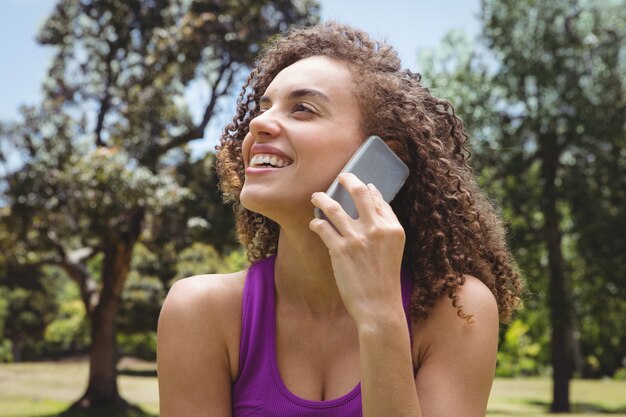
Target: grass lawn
{"points": [[531, 397], [46, 389]]}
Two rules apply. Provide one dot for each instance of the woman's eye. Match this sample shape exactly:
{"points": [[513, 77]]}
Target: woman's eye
{"points": [[300, 107]]}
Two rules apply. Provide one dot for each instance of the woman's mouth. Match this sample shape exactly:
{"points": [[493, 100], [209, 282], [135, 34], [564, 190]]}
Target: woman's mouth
{"points": [[261, 160]]}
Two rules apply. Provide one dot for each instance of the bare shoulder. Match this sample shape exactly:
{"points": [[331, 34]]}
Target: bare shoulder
{"points": [[198, 344], [475, 299], [205, 294], [474, 320], [455, 353], [205, 309], [475, 309]]}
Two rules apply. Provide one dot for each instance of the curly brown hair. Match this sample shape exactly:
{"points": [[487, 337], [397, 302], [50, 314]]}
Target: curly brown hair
{"points": [[451, 227]]}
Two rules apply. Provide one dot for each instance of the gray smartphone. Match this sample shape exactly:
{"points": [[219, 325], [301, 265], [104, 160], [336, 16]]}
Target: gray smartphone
{"points": [[374, 162]]}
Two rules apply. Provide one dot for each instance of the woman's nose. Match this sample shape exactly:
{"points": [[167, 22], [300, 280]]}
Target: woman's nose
{"points": [[265, 125]]}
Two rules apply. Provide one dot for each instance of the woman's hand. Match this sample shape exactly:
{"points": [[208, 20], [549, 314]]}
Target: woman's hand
{"points": [[366, 253]]}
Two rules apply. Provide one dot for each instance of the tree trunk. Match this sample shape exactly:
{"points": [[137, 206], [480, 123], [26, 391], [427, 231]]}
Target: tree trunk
{"points": [[558, 295], [102, 388], [561, 349], [16, 349]]}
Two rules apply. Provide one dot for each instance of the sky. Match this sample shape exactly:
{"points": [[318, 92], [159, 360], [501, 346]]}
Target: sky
{"points": [[407, 25]]}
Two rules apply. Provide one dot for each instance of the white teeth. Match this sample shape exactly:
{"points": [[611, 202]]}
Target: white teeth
{"points": [[269, 159]]}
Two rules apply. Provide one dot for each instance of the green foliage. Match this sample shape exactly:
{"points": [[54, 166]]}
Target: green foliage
{"points": [[6, 351], [236, 260], [563, 82], [6, 348], [518, 355], [4, 307], [88, 196], [141, 303], [27, 310], [201, 258], [542, 95], [69, 331], [138, 345], [620, 374]]}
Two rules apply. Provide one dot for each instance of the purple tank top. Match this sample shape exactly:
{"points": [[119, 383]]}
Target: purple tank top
{"points": [[259, 390]]}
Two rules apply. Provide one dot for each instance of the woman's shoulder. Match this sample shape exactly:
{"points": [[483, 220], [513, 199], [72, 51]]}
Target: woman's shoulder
{"points": [[205, 295], [471, 318], [474, 301], [198, 287], [201, 320]]}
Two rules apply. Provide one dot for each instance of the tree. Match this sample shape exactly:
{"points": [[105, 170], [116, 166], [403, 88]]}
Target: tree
{"points": [[105, 158], [545, 96]]}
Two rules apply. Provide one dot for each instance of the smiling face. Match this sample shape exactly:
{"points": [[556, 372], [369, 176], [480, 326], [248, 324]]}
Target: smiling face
{"points": [[306, 131]]}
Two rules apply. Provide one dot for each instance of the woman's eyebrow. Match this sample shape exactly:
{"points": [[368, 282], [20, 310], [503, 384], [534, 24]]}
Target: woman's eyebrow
{"points": [[300, 93], [304, 92]]}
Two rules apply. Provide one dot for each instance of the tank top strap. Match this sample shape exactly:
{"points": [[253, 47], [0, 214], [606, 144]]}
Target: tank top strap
{"points": [[407, 291], [257, 307]]}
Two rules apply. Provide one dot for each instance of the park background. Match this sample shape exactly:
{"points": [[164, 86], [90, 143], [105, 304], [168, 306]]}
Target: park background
{"points": [[108, 195]]}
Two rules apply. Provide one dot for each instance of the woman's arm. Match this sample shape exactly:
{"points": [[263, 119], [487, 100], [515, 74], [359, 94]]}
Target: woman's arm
{"points": [[366, 254], [387, 385], [457, 358], [193, 360]]}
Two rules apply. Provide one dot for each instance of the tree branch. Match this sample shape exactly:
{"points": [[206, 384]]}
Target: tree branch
{"points": [[32, 150], [105, 103], [218, 89], [74, 264]]}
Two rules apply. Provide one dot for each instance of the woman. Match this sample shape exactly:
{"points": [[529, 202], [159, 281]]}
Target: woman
{"points": [[392, 314]]}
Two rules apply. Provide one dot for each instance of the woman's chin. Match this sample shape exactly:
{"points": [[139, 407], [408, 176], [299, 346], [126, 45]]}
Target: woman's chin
{"points": [[280, 209], [262, 204]]}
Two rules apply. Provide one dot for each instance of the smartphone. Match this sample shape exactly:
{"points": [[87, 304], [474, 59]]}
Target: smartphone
{"points": [[374, 162]]}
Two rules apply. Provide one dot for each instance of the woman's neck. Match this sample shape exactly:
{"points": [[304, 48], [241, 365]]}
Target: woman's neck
{"points": [[304, 277]]}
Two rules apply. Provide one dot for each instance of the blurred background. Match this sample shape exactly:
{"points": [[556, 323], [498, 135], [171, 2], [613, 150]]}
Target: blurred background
{"points": [[110, 111]]}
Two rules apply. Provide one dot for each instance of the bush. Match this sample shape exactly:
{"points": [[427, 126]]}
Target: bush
{"points": [[620, 374], [6, 351], [69, 332], [139, 345], [518, 354]]}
